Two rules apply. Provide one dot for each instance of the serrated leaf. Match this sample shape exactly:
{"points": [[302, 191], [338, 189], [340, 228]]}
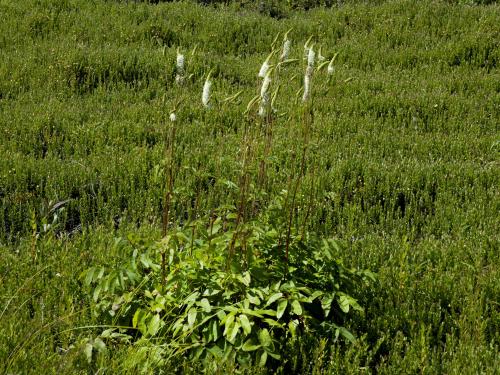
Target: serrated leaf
{"points": [[154, 325], [315, 295], [281, 308], [346, 334], [101, 273], [296, 307], [234, 331], [192, 316], [135, 319], [221, 314], [344, 303], [205, 305], [89, 276], [215, 330], [228, 323], [216, 351], [273, 298], [292, 327], [245, 324], [263, 359], [250, 346], [245, 279], [326, 304], [272, 323], [96, 293], [253, 300], [264, 337], [274, 355]]}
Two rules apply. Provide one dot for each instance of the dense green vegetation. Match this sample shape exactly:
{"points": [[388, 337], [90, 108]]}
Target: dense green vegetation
{"points": [[402, 168]]}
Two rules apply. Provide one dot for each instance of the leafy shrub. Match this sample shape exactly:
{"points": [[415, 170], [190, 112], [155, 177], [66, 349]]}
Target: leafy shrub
{"points": [[228, 294]]}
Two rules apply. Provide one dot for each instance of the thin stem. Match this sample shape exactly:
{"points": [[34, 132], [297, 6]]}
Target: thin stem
{"points": [[307, 118], [169, 191]]}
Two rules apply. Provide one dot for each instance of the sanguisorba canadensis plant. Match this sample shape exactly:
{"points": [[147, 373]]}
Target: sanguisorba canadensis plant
{"points": [[248, 314], [188, 296]]}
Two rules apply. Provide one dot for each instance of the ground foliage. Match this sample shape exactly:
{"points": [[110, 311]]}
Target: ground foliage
{"points": [[404, 155]]}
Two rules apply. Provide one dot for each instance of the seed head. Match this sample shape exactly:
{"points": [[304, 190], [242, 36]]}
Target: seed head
{"points": [[173, 117]]}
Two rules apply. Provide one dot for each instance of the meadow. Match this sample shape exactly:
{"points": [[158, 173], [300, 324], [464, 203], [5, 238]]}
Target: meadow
{"points": [[395, 156]]}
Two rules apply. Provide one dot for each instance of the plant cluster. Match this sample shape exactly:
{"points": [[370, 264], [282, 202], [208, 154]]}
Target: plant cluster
{"points": [[248, 311]]}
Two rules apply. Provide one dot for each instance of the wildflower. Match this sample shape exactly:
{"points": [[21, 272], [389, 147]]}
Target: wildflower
{"points": [[179, 77], [286, 50], [205, 97], [264, 68], [307, 84], [265, 86], [310, 58], [330, 68], [264, 95], [180, 63], [173, 117]]}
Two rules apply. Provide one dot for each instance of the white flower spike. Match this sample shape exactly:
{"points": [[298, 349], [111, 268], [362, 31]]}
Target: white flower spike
{"points": [[310, 57], [265, 66], [286, 50], [179, 65], [205, 97]]}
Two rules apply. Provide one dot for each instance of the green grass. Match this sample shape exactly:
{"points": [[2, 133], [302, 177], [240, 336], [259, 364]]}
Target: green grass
{"points": [[406, 153]]}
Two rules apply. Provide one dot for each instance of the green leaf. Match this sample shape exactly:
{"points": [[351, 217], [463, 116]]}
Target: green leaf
{"points": [[245, 279], [296, 307], [274, 355], [273, 298], [292, 327], [154, 325], [221, 314], [97, 291], [205, 305], [264, 337], [250, 346], [315, 295], [245, 324], [326, 304], [272, 323], [89, 276], [228, 323], [135, 319], [346, 334], [88, 352], [281, 308], [263, 359], [253, 300], [216, 351], [234, 332], [344, 303], [192, 316], [215, 330]]}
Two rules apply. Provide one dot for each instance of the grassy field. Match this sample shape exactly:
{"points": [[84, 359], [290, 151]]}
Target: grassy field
{"points": [[402, 166]]}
